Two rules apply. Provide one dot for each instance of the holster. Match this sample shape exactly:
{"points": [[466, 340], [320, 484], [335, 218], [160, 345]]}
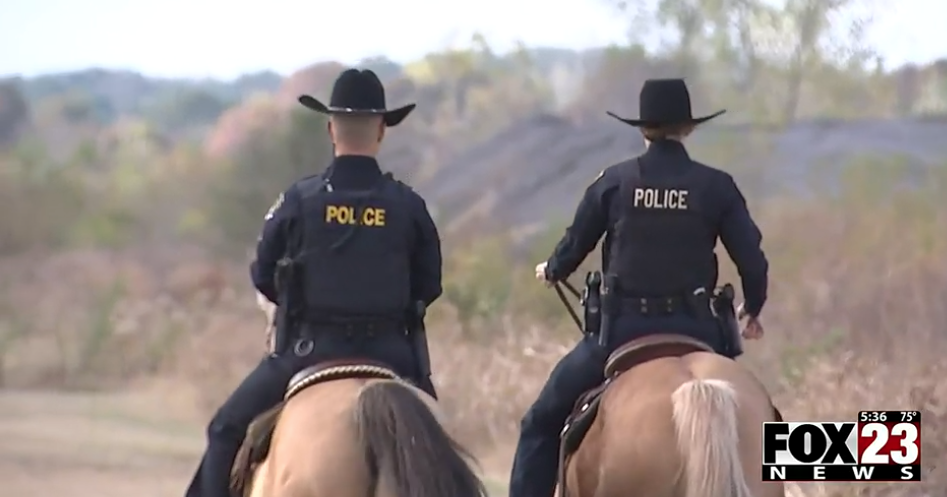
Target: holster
{"points": [[610, 308], [726, 316], [287, 310], [592, 303], [698, 304], [418, 334]]}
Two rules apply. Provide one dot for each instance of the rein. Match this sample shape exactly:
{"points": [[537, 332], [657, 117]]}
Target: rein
{"points": [[559, 285]]}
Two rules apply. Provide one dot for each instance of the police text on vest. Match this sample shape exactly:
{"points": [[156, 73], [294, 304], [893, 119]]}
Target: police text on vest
{"points": [[345, 214], [660, 198]]}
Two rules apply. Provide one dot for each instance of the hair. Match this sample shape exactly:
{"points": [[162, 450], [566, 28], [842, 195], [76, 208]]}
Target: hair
{"points": [[669, 131], [407, 447], [356, 131]]}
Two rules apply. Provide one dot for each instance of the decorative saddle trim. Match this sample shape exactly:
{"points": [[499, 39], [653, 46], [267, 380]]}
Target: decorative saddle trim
{"points": [[319, 375]]}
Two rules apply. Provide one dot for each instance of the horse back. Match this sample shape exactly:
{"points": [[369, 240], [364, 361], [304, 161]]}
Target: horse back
{"points": [[627, 440]]}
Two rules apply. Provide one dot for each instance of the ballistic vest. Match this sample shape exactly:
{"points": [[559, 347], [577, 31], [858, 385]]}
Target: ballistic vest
{"points": [[664, 246], [355, 251]]}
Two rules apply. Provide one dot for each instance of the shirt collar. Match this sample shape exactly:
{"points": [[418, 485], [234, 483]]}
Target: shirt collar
{"points": [[667, 148], [358, 163], [352, 167]]}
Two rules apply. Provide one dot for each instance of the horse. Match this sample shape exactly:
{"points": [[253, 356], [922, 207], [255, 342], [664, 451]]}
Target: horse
{"points": [[673, 419], [352, 428]]}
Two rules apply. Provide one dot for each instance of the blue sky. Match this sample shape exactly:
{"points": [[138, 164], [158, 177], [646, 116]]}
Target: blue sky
{"points": [[226, 38]]}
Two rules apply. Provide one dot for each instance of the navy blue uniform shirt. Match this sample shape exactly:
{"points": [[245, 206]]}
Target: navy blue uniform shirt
{"points": [[351, 172], [598, 212]]}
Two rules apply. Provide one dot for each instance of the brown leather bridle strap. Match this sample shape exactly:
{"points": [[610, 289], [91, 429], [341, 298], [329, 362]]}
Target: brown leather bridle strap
{"points": [[565, 301]]}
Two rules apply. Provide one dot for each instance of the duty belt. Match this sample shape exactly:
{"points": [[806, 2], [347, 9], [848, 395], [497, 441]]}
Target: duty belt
{"points": [[354, 322], [654, 306]]}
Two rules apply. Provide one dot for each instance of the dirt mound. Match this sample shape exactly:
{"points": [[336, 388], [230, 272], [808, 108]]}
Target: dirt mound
{"points": [[521, 176]]}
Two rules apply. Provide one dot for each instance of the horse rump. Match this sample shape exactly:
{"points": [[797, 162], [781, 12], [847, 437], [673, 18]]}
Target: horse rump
{"points": [[406, 446], [705, 419]]}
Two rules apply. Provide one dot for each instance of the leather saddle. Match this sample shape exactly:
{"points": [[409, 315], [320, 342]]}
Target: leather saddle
{"points": [[627, 356], [624, 358]]}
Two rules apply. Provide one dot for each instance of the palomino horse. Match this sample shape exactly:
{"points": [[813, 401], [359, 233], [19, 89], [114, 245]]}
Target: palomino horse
{"points": [[352, 429], [674, 419]]}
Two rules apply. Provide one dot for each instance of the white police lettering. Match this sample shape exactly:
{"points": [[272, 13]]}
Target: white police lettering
{"points": [[660, 198]]}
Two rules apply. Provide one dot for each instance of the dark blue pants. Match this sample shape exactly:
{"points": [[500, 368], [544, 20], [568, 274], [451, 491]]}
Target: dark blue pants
{"points": [[264, 387], [536, 462]]}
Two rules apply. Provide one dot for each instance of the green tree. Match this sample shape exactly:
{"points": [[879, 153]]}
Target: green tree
{"points": [[186, 108], [265, 167], [14, 112]]}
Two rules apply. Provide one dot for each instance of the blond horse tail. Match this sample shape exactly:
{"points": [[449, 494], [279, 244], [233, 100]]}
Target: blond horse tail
{"points": [[705, 419], [407, 448]]}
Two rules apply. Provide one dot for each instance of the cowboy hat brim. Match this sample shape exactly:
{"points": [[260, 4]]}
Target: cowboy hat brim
{"points": [[391, 117], [645, 123]]}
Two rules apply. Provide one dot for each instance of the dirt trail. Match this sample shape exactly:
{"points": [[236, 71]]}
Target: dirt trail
{"points": [[94, 445], [102, 445]]}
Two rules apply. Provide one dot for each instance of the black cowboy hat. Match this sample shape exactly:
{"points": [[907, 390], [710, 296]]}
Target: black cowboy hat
{"points": [[358, 93], [663, 102]]}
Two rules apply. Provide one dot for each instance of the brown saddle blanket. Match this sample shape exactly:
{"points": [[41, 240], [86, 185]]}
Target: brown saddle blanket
{"points": [[622, 359], [256, 445]]}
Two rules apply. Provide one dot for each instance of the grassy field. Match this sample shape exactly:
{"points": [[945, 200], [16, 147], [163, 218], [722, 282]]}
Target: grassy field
{"points": [[94, 445], [102, 445]]}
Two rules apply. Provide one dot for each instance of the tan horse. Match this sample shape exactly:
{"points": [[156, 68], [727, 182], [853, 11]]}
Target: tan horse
{"points": [[353, 429], [674, 420]]}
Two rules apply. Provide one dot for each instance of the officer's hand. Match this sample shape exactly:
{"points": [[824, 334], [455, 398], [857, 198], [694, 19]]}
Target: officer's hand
{"points": [[753, 329], [541, 273]]}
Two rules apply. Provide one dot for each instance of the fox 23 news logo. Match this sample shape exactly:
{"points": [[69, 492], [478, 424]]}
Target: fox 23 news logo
{"points": [[880, 446]]}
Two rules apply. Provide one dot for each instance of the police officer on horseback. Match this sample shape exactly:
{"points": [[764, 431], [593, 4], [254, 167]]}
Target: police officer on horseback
{"points": [[661, 214], [351, 257]]}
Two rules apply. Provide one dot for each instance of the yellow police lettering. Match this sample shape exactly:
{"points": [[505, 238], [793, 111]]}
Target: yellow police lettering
{"points": [[660, 198], [373, 216], [346, 214]]}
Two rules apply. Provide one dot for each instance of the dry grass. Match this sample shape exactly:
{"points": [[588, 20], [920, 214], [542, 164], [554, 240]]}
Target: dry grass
{"points": [[856, 320]]}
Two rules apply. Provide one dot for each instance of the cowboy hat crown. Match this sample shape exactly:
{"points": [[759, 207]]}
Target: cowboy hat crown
{"points": [[664, 102], [358, 93]]}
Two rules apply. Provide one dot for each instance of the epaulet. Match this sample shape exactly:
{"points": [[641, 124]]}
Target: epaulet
{"points": [[391, 176], [316, 176]]}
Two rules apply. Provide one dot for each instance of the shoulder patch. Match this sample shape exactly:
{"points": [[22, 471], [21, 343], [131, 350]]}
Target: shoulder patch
{"points": [[276, 205], [600, 175]]}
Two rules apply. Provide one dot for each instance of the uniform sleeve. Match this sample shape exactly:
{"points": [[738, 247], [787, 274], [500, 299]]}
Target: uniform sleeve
{"points": [[742, 239], [588, 226], [426, 260], [271, 245]]}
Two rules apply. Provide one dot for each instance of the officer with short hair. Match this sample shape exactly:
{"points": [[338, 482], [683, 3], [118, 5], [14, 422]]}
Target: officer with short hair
{"points": [[661, 214], [364, 254]]}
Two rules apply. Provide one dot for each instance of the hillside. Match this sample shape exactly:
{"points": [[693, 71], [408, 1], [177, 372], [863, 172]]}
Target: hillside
{"points": [[521, 176], [498, 142]]}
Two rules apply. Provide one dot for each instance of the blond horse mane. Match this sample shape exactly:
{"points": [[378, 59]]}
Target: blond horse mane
{"points": [[705, 418]]}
